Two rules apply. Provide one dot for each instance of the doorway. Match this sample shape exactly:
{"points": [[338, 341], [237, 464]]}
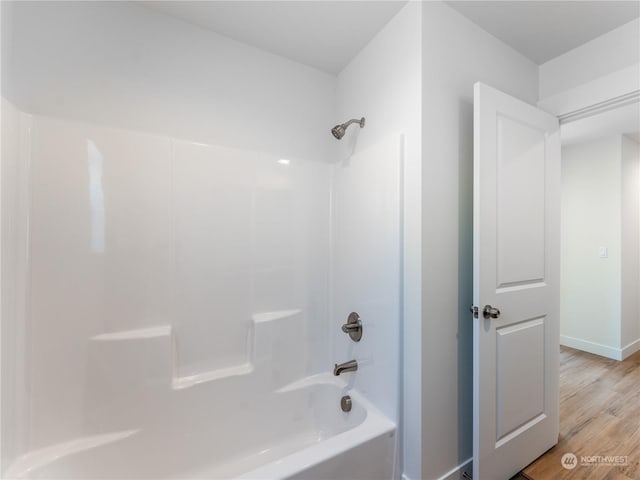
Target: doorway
{"points": [[600, 279], [600, 318]]}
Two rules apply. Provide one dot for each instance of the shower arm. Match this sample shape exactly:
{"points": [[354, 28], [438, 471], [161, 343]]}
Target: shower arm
{"points": [[354, 120]]}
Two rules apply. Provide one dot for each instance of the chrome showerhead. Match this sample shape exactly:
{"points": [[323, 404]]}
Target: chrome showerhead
{"points": [[339, 130]]}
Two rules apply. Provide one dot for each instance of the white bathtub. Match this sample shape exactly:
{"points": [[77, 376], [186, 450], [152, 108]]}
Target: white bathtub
{"points": [[296, 432]]}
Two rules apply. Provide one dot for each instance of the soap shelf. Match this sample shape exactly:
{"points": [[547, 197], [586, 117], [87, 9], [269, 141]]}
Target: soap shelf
{"points": [[119, 343]]}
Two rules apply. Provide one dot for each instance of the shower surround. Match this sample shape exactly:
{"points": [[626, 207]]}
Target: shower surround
{"points": [[179, 302]]}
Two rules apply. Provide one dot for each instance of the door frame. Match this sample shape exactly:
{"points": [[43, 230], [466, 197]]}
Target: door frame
{"points": [[600, 95]]}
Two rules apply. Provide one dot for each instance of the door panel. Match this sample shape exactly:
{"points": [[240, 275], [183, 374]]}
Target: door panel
{"points": [[516, 270], [520, 374], [520, 202]]}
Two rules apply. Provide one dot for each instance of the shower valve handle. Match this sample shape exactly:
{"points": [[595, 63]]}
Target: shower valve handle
{"points": [[347, 328], [353, 327]]}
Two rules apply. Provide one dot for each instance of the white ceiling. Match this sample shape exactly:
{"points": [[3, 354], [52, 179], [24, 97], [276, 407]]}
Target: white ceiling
{"points": [[542, 30], [323, 34], [327, 34]]}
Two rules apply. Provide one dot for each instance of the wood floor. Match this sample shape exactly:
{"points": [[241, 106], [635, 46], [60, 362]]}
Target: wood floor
{"points": [[599, 415]]}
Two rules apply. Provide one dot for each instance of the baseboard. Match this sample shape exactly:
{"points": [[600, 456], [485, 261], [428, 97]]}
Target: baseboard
{"points": [[592, 347], [630, 349], [456, 473]]}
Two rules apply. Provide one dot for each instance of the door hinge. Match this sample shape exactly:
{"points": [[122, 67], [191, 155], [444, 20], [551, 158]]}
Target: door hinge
{"points": [[473, 309]]}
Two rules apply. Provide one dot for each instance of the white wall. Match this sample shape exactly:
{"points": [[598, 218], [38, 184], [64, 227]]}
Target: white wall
{"points": [[6, 34], [383, 84], [121, 64], [456, 54], [604, 55], [630, 247], [591, 209], [601, 208]]}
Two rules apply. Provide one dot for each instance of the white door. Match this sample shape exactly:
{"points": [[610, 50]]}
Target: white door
{"points": [[516, 279]]}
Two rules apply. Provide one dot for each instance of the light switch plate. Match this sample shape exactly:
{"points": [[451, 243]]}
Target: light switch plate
{"points": [[603, 252]]}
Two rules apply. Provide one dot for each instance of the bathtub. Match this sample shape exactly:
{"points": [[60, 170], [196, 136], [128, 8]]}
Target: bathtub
{"points": [[296, 432]]}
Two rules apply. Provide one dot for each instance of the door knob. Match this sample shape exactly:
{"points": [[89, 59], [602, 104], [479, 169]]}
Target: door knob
{"points": [[490, 312]]}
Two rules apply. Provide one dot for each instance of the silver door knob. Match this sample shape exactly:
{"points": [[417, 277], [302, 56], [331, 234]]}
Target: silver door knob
{"points": [[490, 312]]}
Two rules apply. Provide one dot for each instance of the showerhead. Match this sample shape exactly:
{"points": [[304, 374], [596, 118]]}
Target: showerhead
{"points": [[339, 130]]}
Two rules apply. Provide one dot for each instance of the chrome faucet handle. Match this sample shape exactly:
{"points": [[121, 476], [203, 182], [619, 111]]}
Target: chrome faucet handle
{"points": [[353, 327]]}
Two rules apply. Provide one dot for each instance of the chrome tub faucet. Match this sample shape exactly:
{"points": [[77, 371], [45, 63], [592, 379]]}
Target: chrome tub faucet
{"points": [[350, 366]]}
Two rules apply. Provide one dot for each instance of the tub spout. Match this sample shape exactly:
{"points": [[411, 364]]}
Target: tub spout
{"points": [[350, 366]]}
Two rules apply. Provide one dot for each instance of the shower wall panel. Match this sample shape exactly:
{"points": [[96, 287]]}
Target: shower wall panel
{"points": [[366, 264], [153, 261], [250, 239], [101, 251], [15, 262]]}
